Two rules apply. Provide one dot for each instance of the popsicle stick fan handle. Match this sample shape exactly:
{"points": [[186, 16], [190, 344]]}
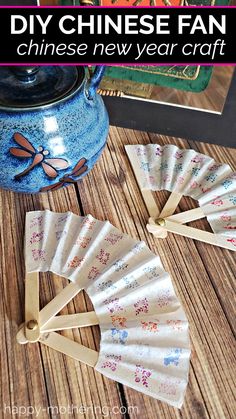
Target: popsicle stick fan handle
{"points": [[70, 348], [32, 326], [190, 232]]}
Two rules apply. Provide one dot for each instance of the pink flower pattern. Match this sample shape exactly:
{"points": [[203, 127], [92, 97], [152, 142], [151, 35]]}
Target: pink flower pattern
{"points": [[233, 241], [142, 375], [180, 180], [230, 227], [118, 321], [113, 238], [194, 185], [83, 242], [169, 386], [111, 362], [36, 221], [88, 223], [141, 306], [38, 255], [225, 217], [60, 234], [159, 151], [198, 159], [37, 237], [164, 299], [151, 179], [178, 155], [214, 167], [150, 326], [205, 190], [103, 257], [166, 178], [93, 273], [76, 262], [218, 202]]}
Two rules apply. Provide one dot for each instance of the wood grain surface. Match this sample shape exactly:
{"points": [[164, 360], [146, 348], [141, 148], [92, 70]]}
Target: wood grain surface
{"points": [[36, 380]]}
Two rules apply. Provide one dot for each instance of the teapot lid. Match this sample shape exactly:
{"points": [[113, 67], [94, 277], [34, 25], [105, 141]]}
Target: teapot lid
{"points": [[29, 87]]}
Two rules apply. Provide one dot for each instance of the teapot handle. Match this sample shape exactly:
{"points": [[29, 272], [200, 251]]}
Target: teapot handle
{"points": [[95, 80]]}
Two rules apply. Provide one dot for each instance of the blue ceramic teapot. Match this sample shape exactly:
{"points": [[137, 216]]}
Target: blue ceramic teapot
{"points": [[53, 126]]}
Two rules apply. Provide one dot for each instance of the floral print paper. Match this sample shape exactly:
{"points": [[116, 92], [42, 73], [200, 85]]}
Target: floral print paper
{"points": [[144, 330], [190, 173]]}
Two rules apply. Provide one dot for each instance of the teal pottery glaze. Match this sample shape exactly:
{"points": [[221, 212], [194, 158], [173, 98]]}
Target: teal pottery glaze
{"points": [[53, 126]]}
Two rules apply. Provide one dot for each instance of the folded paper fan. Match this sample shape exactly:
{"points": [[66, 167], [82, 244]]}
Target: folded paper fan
{"points": [[187, 172], [144, 330]]}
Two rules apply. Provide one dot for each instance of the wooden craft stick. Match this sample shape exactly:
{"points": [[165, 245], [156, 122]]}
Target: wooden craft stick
{"points": [[32, 322], [71, 321], [194, 233], [150, 202], [171, 205], [70, 348], [187, 216], [63, 322]]}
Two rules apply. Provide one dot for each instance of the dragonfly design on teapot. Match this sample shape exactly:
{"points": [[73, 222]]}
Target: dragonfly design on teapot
{"points": [[27, 150], [79, 169]]}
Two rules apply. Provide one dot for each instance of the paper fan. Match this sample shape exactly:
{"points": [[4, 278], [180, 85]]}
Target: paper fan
{"points": [[187, 172], [144, 330]]}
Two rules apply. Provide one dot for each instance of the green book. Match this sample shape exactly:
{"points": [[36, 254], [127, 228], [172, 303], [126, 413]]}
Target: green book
{"points": [[130, 2], [189, 78]]}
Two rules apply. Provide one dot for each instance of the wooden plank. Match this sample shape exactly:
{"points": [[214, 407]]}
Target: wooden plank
{"points": [[203, 277], [210, 392]]}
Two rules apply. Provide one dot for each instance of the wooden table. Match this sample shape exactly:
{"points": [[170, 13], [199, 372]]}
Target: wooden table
{"points": [[35, 377]]}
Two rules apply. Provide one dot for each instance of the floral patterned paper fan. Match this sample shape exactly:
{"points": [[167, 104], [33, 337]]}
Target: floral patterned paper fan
{"points": [[187, 172], [144, 330]]}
